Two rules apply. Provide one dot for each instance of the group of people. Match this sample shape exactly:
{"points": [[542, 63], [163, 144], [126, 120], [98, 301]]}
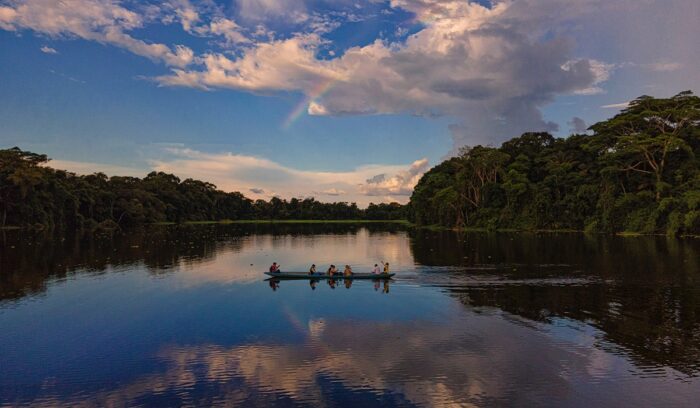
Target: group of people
{"points": [[333, 270]]}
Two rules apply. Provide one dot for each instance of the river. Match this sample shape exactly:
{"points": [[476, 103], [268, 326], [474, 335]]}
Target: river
{"points": [[183, 315]]}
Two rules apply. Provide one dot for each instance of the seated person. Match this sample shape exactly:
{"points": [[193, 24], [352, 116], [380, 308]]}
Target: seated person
{"points": [[312, 270], [332, 270], [376, 270], [274, 267], [347, 271]]}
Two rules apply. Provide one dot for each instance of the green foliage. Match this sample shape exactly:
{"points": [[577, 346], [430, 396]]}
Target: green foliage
{"points": [[32, 194], [638, 172]]}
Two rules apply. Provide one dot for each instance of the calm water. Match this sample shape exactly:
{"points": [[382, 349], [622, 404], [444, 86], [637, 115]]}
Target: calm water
{"points": [[183, 316]]}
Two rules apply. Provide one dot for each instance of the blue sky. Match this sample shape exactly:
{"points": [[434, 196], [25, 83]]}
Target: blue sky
{"points": [[342, 100]]}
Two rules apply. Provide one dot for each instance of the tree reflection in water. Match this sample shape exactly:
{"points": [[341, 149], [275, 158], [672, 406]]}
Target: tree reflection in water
{"points": [[643, 293]]}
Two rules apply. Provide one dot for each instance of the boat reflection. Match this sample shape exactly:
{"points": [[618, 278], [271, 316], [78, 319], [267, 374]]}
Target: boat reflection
{"points": [[274, 283]]}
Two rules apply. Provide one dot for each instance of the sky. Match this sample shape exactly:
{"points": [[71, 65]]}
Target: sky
{"points": [[342, 100]]}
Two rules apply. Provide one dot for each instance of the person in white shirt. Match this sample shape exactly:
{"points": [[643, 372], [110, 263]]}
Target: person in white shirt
{"points": [[376, 270]]}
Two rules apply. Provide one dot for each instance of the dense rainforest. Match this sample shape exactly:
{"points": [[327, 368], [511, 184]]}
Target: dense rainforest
{"points": [[636, 172], [32, 194]]}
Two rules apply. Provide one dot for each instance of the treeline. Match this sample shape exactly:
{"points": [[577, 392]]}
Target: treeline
{"points": [[32, 194], [637, 172]]}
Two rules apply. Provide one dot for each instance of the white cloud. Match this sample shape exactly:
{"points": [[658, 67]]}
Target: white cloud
{"points": [[205, 20], [228, 29], [48, 50], [258, 177], [621, 105], [265, 178], [316, 109], [399, 184], [485, 66], [491, 68], [278, 65], [258, 10], [104, 21], [665, 66], [333, 192]]}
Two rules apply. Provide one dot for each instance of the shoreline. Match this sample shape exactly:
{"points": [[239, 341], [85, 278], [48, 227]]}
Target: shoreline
{"points": [[406, 223], [224, 222]]}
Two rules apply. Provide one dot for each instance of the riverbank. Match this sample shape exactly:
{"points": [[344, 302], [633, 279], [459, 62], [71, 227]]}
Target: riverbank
{"points": [[404, 222], [397, 222], [544, 231]]}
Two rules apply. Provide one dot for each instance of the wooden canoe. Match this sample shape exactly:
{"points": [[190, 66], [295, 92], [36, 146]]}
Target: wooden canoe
{"points": [[306, 275]]}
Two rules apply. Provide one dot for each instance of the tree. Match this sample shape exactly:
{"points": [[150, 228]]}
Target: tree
{"points": [[479, 167], [638, 172], [19, 172], [643, 136]]}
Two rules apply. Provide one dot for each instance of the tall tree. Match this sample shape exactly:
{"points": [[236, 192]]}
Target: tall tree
{"points": [[643, 136]]}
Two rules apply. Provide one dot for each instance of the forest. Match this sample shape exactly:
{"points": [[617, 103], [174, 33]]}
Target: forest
{"points": [[638, 172], [35, 195]]}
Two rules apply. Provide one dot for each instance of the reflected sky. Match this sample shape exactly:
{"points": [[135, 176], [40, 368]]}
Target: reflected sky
{"points": [[181, 317]]}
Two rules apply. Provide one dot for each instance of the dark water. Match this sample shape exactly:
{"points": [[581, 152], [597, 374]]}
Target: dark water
{"points": [[182, 316]]}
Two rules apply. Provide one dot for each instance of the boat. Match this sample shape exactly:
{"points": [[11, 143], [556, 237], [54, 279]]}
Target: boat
{"points": [[306, 275]]}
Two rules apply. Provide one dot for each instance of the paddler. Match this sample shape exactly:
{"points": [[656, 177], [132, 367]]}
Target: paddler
{"points": [[386, 267], [332, 270]]}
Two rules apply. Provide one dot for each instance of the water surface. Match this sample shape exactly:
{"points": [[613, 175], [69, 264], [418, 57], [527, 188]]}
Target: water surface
{"points": [[176, 316]]}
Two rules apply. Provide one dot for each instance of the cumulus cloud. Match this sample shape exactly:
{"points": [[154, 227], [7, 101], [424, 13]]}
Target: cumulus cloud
{"points": [[278, 65], [479, 64], [577, 125], [104, 21], [266, 179], [399, 184], [236, 172], [491, 68], [205, 20], [48, 50]]}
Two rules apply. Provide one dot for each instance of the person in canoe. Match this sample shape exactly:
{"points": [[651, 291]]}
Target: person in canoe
{"points": [[312, 270], [386, 267], [332, 270], [376, 270], [274, 267], [347, 271]]}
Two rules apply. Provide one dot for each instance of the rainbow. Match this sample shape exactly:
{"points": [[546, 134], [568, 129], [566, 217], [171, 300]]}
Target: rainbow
{"points": [[314, 93]]}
